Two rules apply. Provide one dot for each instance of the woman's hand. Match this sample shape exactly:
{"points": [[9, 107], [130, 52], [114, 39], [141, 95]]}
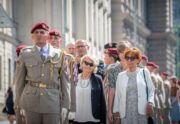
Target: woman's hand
{"points": [[149, 110], [117, 118], [110, 117]]}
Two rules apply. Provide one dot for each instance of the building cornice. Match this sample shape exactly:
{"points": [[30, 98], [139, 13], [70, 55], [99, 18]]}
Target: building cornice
{"points": [[168, 36], [8, 38], [141, 28]]}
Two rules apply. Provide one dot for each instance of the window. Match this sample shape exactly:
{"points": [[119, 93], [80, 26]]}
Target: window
{"points": [[9, 71], [0, 73]]}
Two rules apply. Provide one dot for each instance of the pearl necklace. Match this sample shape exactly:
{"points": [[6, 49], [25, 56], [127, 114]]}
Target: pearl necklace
{"points": [[84, 83]]}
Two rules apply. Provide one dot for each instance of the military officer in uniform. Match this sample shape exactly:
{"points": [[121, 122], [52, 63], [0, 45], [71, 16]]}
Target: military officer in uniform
{"points": [[160, 93], [144, 61], [150, 67], [20, 118], [167, 101], [69, 67], [45, 89]]}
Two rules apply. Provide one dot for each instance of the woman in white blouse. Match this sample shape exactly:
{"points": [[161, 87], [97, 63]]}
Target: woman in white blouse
{"points": [[132, 103], [90, 101]]}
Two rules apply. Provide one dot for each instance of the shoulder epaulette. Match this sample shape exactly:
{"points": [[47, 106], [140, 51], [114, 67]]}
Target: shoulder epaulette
{"points": [[27, 49]]}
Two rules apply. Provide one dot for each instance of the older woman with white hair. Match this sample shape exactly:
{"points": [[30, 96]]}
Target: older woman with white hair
{"points": [[90, 101]]}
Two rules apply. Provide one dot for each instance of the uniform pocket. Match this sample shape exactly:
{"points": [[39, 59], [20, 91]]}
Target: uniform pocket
{"points": [[30, 90], [31, 64], [33, 69]]}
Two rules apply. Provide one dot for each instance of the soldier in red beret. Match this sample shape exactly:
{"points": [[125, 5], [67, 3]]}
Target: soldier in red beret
{"points": [[40, 25], [150, 66], [144, 61], [156, 66], [110, 56], [165, 74], [20, 118], [18, 49], [55, 38], [167, 101], [40, 88], [70, 68], [39, 32]]}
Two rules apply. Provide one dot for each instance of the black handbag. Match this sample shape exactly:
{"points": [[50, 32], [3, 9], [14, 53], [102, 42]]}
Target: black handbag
{"points": [[4, 110], [149, 119]]}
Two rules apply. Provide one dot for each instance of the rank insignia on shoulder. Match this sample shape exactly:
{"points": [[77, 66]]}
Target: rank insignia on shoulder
{"points": [[18, 63]]}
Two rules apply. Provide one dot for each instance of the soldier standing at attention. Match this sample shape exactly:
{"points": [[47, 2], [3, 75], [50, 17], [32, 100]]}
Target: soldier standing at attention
{"points": [[167, 100], [20, 118], [45, 89], [70, 68]]}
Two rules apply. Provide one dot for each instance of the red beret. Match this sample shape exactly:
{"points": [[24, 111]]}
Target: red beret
{"points": [[165, 73], [55, 33], [156, 66], [112, 51], [40, 25], [144, 57], [178, 82], [18, 49], [150, 64]]}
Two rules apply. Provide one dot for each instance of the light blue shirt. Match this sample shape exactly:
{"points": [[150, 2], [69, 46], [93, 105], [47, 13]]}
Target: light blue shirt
{"points": [[44, 51]]}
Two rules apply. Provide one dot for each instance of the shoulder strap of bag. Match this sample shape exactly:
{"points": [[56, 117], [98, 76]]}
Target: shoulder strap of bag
{"points": [[146, 84]]}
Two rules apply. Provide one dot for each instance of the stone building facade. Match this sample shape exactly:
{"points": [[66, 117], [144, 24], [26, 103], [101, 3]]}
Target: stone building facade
{"points": [[148, 25], [8, 44], [76, 19]]}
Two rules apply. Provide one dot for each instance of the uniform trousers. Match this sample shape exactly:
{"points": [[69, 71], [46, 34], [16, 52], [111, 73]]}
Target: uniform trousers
{"points": [[19, 118], [159, 119], [167, 119], [42, 118]]}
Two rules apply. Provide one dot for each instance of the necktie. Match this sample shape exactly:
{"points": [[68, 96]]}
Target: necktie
{"points": [[42, 54]]}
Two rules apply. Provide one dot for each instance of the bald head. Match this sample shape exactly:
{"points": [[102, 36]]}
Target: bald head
{"points": [[82, 47]]}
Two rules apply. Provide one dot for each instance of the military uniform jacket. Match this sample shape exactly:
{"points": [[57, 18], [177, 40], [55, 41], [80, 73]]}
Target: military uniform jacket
{"points": [[155, 82], [71, 71], [167, 88], [31, 68]]}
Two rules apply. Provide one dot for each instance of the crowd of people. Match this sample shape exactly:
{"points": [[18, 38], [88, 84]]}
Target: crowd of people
{"points": [[71, 86]]}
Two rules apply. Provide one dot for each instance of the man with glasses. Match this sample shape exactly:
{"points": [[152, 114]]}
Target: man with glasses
{"points": [[39, 87], [82, 49]]}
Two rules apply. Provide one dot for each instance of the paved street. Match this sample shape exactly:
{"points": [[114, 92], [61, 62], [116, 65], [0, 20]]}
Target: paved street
{"points": [[3, 122]]}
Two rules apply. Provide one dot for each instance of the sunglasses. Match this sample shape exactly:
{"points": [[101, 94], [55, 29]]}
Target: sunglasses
{"points": [[131, 58], [87, 63]]}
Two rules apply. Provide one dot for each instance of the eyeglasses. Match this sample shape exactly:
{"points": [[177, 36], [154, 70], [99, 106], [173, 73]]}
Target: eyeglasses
{"points": [[81, 46], [131, 58], [87, 63]]}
